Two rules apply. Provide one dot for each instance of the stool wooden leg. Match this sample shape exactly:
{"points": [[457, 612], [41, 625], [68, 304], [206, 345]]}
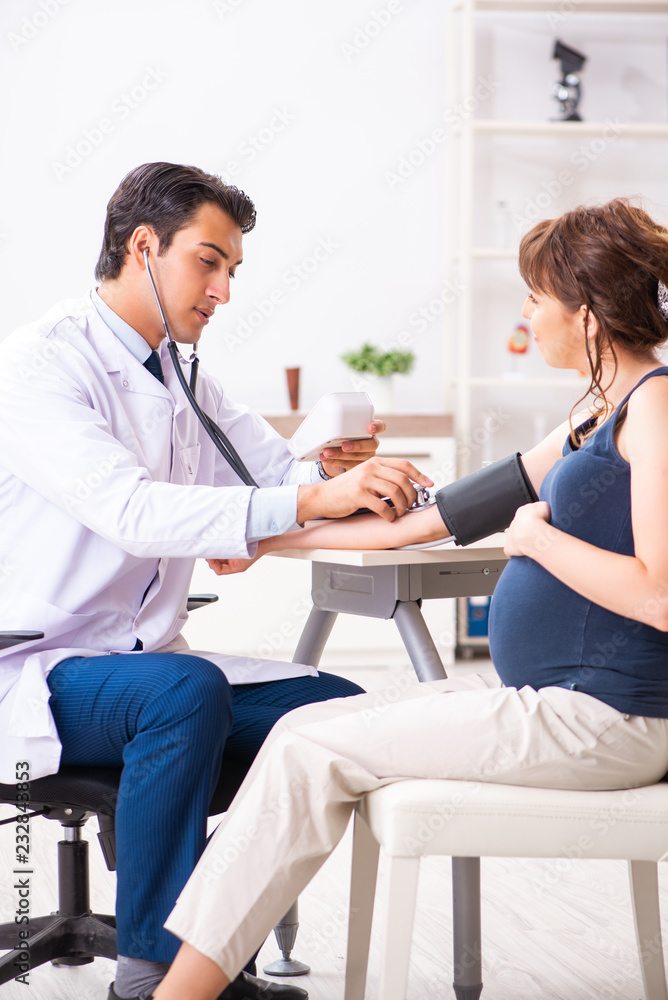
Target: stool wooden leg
{"points": [[362, 894], [645, 894], [398, 933]]}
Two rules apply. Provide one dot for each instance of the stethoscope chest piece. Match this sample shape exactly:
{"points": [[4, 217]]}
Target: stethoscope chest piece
{"points": [[423, 499]]}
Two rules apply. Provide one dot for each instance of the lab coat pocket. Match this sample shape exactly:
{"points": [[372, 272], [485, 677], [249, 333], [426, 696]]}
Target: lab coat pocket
{"points": [[189, 462], [29, 611]]}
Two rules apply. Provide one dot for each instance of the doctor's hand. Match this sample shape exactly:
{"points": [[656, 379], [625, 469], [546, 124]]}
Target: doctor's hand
{"points": [[364, 486], [351, 453], [225, 567]]}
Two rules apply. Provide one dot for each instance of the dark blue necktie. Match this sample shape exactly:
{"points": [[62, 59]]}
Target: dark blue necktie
{"points": [[152, 363]]}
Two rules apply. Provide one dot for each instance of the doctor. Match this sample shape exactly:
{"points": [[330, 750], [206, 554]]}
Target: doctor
{"points": [[109, 491]]}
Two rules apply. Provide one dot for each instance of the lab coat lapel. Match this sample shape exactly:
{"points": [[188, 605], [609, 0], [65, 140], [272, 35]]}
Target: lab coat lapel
{"points": [[116, 358]]}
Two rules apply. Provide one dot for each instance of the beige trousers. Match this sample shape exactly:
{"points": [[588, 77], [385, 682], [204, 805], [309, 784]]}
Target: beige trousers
{"points": [[295, 803]]}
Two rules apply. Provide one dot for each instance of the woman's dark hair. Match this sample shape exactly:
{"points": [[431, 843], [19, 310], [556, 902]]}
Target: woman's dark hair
{"points": [[609, 258], [166, 197]]}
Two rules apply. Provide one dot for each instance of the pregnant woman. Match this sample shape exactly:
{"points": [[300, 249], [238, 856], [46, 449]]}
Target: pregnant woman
{"points": [[578, 622]]}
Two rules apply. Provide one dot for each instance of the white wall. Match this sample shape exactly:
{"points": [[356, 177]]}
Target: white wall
{"points": [[313, 108], [305, 105], [338, 96]]}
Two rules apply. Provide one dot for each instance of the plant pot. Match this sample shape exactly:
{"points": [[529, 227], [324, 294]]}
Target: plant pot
{"points": [[381, 389]]}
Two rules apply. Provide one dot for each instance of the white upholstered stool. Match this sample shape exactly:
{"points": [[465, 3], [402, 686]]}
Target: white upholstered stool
{"points": [[469, 820]]}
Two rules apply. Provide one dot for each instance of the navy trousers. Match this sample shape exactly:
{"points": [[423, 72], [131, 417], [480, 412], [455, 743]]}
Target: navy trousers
{"points": [[170, 720]]}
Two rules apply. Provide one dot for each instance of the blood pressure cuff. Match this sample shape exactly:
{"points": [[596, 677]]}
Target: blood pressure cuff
{"points": [[486, 501]]}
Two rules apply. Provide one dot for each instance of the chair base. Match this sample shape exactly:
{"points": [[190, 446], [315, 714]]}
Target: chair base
{"points": [[286, 935], [61, 940], [286, 967]]}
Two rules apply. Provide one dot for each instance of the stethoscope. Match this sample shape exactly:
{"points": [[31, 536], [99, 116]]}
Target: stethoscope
{"points": [[219, 438]]}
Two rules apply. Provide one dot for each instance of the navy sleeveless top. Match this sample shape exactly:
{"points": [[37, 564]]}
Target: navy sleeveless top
{"points": [[542, 633]]}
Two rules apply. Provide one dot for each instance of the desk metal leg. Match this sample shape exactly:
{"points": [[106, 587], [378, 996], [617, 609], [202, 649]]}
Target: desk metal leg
{"points": [[309, 650], [314, 636], [418, 642]]}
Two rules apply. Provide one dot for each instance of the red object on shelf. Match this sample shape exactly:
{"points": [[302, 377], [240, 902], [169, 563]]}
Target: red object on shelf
{"points": [[518, 341]]}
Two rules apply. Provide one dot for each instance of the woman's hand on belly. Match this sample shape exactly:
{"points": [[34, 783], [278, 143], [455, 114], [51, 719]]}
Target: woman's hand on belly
{"points": [[527, 533]]}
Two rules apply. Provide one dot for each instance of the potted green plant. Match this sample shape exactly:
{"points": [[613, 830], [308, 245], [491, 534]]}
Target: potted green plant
{"points": [[377, 369]]}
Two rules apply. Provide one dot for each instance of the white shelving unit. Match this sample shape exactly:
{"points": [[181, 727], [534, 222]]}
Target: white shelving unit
{"points": [[469, 252], [466, 255]]}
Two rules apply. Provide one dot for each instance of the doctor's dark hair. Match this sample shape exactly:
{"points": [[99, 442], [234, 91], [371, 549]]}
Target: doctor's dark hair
{"points": [[609, 258], [166, 197]]}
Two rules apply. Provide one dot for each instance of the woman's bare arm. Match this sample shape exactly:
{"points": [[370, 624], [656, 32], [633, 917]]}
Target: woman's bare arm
{"points": [[360, 531], [363, 531]]}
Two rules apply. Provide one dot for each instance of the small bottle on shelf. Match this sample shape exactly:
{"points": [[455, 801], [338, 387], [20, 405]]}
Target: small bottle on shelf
{"points": [[503, 225]]}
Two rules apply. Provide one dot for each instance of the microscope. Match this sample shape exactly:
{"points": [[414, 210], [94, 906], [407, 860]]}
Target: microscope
{"points": [[567, 90]]}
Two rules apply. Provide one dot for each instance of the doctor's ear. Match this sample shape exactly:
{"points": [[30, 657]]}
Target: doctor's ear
{"points": [[143, 239]]}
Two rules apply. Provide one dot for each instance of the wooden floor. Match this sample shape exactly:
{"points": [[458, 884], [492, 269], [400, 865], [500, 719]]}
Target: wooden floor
{"points": [[552, 930]]}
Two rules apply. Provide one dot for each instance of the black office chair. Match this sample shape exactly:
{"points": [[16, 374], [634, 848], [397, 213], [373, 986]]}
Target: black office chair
{"points": [[74, 935]]}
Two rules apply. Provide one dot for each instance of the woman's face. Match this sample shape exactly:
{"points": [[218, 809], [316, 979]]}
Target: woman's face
{"points": [[560, 334]]}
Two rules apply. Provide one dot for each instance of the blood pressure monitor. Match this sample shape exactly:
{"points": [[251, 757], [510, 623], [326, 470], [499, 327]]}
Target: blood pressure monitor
{"points": [[335, 418]]}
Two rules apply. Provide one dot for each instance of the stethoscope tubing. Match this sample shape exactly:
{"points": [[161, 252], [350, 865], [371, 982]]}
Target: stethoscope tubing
{"points": [[218, 436]]}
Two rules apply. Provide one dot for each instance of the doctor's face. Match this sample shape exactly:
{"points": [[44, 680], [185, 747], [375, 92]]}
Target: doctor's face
{"points": [[193, 276]]}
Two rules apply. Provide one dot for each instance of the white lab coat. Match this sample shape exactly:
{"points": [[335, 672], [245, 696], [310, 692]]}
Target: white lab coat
{"points": [[109, 486]]}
